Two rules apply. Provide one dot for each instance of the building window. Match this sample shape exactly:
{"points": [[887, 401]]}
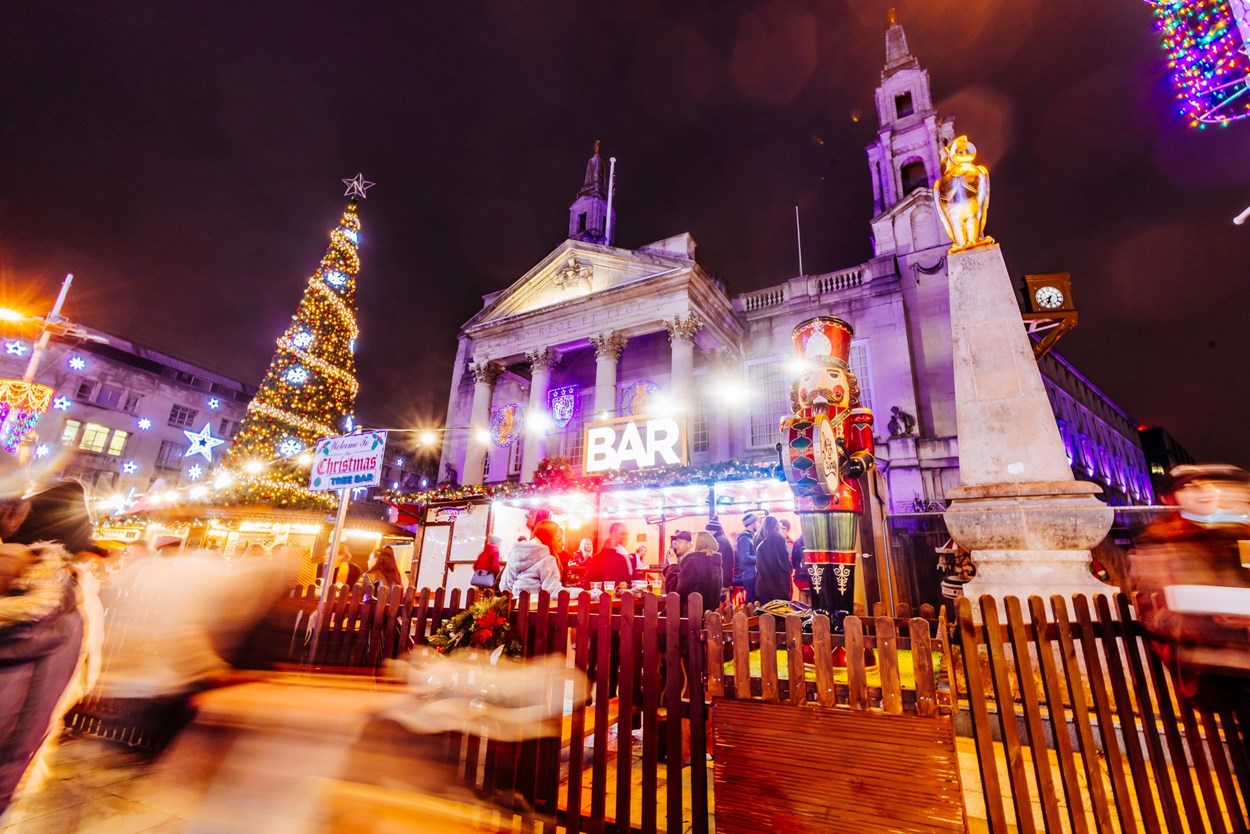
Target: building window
{"points": [[228, 429], [515, 454], [132, 401], [863, 372], [581, 222], [486, 466], [573, 437], [171, 454], [109, 396], [699, 440], [914, 176], [70, 433], [903, 105], [769, 402], [85, 389], [94, 437], [118, 444], [182, 416]]}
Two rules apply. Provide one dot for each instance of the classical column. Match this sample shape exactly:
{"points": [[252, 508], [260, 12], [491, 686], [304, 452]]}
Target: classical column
{"points": [[484, 375], [537, 420], [681, 333], [608, 347]]}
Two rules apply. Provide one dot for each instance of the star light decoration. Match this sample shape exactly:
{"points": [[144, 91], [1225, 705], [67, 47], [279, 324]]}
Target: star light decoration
{"points": [[202, 442], [195, 472], [130, 467], [144, 424], [214, 403], [62, 403], [15, 348], [357, 186], [77, 363]]}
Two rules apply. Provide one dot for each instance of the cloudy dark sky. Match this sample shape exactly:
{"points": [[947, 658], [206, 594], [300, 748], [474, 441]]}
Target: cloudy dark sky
{"points": [[183, 160]]}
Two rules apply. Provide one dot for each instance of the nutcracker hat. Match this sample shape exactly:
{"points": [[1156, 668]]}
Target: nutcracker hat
{"points": [[824, 340]]}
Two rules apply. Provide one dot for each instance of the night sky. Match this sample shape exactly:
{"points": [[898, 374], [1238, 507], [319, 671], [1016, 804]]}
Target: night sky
{"points": [[183, 161]]}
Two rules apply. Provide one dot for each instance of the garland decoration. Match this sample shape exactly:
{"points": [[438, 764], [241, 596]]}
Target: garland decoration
{"points": [[483, 625]]}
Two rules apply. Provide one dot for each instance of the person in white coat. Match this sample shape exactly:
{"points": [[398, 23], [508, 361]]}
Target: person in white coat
{"points": [[532, 565]]}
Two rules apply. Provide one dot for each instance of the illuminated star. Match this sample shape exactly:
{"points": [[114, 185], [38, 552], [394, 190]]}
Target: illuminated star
{"points": [[195, 472], [202, 442], [15, 348], [144, 424], [130, 467], [214, 403], [42, 450], [77, 363], [357, 186], [62, 403]]}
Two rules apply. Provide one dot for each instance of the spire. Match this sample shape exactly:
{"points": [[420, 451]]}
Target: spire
{"points": [[588, 214], [593, 184], [897, 54]]}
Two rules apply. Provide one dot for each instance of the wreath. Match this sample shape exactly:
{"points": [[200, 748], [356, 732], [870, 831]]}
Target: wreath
{"points": [[553, 472], [483, 625]]}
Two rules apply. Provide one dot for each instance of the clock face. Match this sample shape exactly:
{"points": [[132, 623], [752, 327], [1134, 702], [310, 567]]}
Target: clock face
{"points": [[1048, 298]]}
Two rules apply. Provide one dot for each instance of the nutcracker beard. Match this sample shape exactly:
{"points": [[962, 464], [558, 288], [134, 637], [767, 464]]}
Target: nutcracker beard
{"points": [[829, 541]]}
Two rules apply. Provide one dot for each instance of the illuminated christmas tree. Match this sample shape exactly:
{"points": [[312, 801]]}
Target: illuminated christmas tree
{"points": [[309, 390]]}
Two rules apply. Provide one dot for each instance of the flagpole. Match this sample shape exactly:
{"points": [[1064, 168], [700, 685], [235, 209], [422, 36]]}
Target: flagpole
{"points": [[798, 234], [607, 230]]}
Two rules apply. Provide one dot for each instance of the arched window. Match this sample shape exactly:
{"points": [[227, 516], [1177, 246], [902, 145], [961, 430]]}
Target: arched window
{"points": [[913, 175]]}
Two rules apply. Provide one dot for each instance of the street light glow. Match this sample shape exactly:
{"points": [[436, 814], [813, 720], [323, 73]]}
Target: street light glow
{"points": [[9, 314], [428, 438], [254, 467], [482, 435]]}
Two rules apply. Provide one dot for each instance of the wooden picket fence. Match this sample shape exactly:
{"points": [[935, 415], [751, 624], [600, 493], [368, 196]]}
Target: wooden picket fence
{"points": [[1086, 723]]}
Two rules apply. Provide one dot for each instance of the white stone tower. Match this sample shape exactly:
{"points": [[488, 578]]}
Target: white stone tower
{"points": [[906, 158], [589, 212]]}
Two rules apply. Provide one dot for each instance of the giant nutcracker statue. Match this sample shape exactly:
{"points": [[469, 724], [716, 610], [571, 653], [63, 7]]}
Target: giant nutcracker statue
{"points": [[829, 447]]}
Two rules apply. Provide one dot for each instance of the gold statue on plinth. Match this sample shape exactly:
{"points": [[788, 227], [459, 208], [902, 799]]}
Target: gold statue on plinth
{"points": [[962, 195]]}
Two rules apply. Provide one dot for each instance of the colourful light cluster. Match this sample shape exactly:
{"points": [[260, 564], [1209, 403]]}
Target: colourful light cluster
{"points": [[1205, 46], [309, 388]]}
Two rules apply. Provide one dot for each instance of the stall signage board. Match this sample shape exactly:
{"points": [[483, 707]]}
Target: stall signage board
{"points": [[351, 461], [638, 442]]}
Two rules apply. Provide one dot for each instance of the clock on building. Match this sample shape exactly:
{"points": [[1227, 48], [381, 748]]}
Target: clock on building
{"points": [[1049, 293]]}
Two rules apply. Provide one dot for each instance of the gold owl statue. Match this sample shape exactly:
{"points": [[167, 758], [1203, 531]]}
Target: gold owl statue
{"points": [[962, 195]]}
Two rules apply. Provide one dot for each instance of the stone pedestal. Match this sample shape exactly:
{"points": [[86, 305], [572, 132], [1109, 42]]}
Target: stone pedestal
{"points": [[1028, 523]]}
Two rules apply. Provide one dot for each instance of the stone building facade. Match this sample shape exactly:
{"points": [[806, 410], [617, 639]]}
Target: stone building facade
{"points": [[579, 335]]}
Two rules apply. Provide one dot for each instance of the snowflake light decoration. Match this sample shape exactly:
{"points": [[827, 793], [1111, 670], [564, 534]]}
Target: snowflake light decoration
{"points": [[351, 235], [15, 348], [335, 278], [62, 403], [202, 442], [144, 424], [349, 423], [77, 363], [42, 450], [290, 447], [351, 347], [214, 403], [195, 472], [130, 467], [297, 375], [302, 339]]}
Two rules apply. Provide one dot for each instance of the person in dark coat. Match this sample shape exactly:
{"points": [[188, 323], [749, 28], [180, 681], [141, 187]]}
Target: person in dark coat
{"points": [[697, 572], [799, 564], [772, 563], [346, 572], [744, 559], [725, 550]]}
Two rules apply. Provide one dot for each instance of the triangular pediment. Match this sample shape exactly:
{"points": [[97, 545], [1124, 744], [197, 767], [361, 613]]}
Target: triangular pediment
{"points": [[574, 270]]}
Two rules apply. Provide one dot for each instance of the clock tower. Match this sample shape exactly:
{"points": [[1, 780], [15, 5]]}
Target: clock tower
{"points": [[905, 159]]}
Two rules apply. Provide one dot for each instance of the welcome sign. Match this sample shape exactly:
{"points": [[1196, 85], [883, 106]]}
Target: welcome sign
{"points": [[350, 461], [639, 442]]}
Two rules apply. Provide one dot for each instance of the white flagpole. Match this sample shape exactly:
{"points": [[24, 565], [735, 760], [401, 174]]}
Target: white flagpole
{"points": [[798, 234], [607, 230]]}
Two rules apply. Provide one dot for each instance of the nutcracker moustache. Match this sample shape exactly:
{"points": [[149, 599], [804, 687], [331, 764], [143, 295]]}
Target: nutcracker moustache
{"points": [[828, 448]]}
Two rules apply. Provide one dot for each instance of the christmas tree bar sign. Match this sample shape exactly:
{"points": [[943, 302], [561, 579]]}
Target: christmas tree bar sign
{"points": [[352, 461]]}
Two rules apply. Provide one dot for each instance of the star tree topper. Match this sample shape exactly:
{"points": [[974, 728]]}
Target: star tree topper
{"points": [[202, 442], [357, 186]]}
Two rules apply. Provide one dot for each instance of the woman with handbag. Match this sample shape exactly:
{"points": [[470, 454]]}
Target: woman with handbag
{"points": [[486, 568]]}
